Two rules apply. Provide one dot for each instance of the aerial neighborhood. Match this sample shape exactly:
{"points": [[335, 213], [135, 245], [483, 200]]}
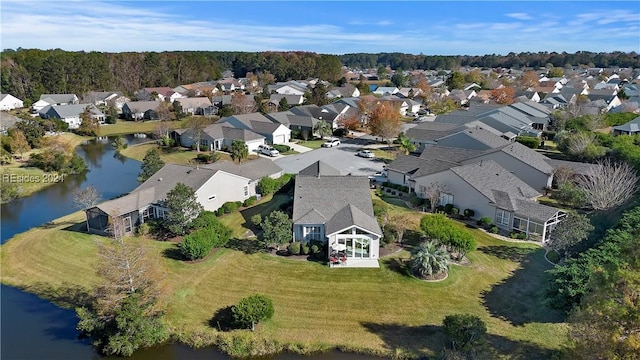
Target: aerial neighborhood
{"points": [[372, 187]]}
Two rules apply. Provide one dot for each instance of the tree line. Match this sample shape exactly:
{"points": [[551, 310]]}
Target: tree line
{"points": [[28, 73], [511, 60]]}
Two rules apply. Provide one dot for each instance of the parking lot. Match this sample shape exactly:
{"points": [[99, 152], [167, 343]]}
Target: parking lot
{"points": [[342, 157]]}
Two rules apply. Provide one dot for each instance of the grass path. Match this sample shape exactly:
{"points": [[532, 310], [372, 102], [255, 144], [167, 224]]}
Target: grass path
{"points": [[380, 311]]}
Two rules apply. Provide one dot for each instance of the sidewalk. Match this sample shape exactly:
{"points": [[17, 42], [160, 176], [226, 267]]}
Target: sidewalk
{"points": [[299, 148]]}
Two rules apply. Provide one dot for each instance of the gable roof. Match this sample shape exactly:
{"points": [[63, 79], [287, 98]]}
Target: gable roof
{"points": [[253, 170], [68, 111], [58, 98], [349, 202], [319, 168], [429, 131], [487, 176], [141, 106], [483, 136], [418, 166], [196, 102], [631, 126]]}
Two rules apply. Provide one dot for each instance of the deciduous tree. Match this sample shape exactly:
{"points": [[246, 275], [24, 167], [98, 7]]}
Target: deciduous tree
{"points": [[503, 95], [608, 184], [433, 192], [196, 125], [571, 230], [529, 79], [85, 198], [276, 229], [252, 310], [242, 104], [19, 143], [384, 121]]}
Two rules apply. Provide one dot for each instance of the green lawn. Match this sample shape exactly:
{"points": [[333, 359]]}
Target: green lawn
{"points": [[387, 154], [380, 311], [21, 168], [123, 127], [311, 144], [173, 155]]}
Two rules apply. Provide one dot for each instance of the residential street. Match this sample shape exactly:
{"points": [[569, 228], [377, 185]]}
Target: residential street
{"points": [[342, 157]]}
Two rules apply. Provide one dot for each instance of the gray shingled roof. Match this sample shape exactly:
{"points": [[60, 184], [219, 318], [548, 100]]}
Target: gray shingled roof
{"points": [[418, 166], [67, 111], [486, 137], [535, 211], [342, 200], [197, 102], [157, 187], [429, 131], [240, 134], [141, 106], [631, 126], [253, 169], [449, 154], [487, 176], [319, 168], [577, 167], [58, 98], [528, 156]]}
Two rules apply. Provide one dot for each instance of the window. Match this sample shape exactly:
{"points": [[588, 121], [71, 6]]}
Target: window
{"points": [[312, 233], [212, 197], [127, 224], [162, 213], [147, 213], [445, 199], [246, 190], [502, 217]]}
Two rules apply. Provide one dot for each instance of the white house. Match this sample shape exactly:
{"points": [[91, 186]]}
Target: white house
{"points": [[71, 114], [274, 133], [10, 102]]}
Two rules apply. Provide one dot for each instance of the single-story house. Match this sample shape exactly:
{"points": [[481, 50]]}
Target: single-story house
{"points": [[630, 128], [54, 99], [71, 114], [292, 100], [158, 93], [214, 184], [484, 187], [197, 106], [141, 110], [217, 137], [10, 102], [338, 211], [274, 132], [7, 121], [106, 97]]}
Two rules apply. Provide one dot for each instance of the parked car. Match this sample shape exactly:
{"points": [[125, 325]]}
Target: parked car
{"points": [[366, 154], [268, 150], [331, 143]]}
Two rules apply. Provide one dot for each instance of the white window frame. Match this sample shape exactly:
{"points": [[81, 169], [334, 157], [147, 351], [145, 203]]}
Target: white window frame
{"points": [[246, 190], [313, 232], [445, 198], [127, 224], [503, 217]]}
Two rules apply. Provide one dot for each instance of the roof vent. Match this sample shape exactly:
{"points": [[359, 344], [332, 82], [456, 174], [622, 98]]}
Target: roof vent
{"points": [[159, 179]]}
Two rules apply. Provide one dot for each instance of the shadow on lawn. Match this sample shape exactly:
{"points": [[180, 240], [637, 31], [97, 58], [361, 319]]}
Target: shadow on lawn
{"points": [[429, 340], [247, 246], [222, 320], [520, 299], [173, 253]]}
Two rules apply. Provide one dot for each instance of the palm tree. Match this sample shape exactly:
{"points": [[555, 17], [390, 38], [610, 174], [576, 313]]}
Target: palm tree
{"points": [[405, 144], [429, 259], [323, 129], [239, 150]]}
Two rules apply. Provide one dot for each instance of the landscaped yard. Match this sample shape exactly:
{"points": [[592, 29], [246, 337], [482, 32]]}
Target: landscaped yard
{"points": [[173, 155], [122, 127], [312, 144], [381, 311]]}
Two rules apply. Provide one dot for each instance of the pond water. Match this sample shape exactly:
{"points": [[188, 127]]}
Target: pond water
{"points": [[32, 328]]}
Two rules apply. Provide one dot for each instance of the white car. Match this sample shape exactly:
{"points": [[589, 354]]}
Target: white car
{"points": [[268, 150], [331, 143], [366, 154]]}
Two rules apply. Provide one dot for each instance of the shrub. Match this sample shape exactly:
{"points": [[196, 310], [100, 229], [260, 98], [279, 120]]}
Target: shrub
{"points": [[522, 236], [204, 158], [455, 211], [282, 148], [205, 219], [485, 221], [314, 249], [304, 249], [444, 230], [389, 235], [219, 212], [199, 243], [250, 201], [229, 207], [494, 229], [528, 141], [252, 310], [143, 229], [469, 213], [340, 132], [256, 219], [440, 208], [267, 185], [513, 235], [294, 248], [448, 208], [464, 330]]}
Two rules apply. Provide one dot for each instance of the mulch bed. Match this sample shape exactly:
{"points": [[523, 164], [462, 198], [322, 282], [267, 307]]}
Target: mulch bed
{"points": [[390, 249], [434, 278]]}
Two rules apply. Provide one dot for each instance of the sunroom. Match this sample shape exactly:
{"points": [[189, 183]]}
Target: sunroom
{"points": [[354, 247], [536, 220]]}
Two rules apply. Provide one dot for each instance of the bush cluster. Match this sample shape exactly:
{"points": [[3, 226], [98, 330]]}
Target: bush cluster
{"points": [[282, 148], [518, 235], [458, 240], [294, 248], [485, 221], [529, 141], [207, 158], [57, 161], [229, 207], [267, 185], [469, 213], [398, 187], [250, 201], [210, 234]]}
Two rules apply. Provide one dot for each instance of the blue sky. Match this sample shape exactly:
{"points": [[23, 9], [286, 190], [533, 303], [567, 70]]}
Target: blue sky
{"points": [[337, 27]]}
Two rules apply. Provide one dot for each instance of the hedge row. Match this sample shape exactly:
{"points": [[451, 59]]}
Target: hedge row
{"points": [[200, 242], [398, 187]]}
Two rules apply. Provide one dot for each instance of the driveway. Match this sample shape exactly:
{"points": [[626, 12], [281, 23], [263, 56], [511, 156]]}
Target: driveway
{"points": [[342, 157]]}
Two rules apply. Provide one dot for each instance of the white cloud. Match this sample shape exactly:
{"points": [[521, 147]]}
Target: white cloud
{"points": [[520, 16]]}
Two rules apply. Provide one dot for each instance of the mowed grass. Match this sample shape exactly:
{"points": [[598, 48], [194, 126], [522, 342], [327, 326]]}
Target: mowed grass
{"points": [[20, 168], [173, 155], [381, 311], [312, 144], [123, 127]]}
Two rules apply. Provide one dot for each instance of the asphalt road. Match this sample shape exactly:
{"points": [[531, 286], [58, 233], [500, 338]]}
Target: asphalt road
{"points": [[342, 157]]}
